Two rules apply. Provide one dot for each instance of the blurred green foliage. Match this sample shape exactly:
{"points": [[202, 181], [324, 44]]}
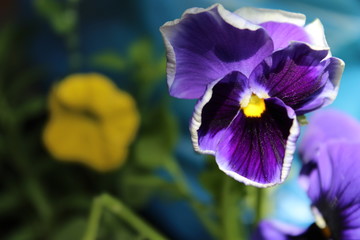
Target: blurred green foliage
{"points": [[41, 198], [61, 15]]}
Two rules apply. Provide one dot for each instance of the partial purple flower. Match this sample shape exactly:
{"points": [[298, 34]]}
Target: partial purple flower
{"points": [[331, 177], [253, 72], [273, 230], [338, 127]]}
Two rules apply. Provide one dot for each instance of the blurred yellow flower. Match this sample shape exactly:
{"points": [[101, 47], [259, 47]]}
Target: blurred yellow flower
{"points": [[91, 122]]}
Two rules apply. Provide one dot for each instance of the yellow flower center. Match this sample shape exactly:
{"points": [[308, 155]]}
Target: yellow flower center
{"points": [[255, 107]]}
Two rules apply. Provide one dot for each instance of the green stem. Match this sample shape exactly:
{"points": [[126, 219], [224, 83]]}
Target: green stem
{"points": [[117, 207], [180, 180], [32, 185], [72, 38], [259, 205], [94, 220], [230, 214]]}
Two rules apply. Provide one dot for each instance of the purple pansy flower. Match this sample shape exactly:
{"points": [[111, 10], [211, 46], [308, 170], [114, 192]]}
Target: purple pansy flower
{"points": [[331, 177], [253, 72]]}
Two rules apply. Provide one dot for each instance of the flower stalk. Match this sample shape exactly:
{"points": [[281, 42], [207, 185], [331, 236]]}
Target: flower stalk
{"points": [[105, 201], [180, 180]]}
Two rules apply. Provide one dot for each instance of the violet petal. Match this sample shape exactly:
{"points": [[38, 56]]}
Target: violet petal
{"points": [[298, 76], [259, 151], [215, 111], [207, 44]]}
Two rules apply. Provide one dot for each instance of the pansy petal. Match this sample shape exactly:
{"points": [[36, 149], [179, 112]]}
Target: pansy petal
{"points": [[270, 230], [297, 75], [261, 15], [318, 181], [258, 151], [315, 31], [215, 110], [284, 33], [338, 200], [331, 74], [206, 44], [283, 27], [274, 230], [324, 126]]}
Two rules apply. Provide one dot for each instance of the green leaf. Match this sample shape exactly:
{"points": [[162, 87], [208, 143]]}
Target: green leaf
{"points": [[109, 60], [71, 230], [138, 186], [156, 143], [141, 51], [7, 34], [148, 68], [26, 231], [9, 201], [150, 151], [32, 107], [162, 123], [23, 81], [114, 228], [210, 181], [48, 8], [212, 176], [64, 22], [62, 19]]}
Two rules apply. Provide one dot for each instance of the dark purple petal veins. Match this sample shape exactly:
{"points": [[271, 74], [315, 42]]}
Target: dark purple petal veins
{"points": [[216, 109], [258, 150], [296, 74], [202, 47], [333, 69]]}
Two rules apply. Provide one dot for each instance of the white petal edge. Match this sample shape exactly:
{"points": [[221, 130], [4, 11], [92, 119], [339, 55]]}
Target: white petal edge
{"points": [[316, 33], [167, 30], [331, 95], [294, 133], [196, 119], [261, 15]]}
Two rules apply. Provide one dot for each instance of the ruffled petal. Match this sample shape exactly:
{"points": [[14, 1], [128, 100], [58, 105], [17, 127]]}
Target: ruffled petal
{"points": [[324, 126], [206, 44], [331, 74], [317, 181], [258, 151], [215, 111], [312, 33], [274, 230], [283, 34], [316, 34], [261, 15], [337, 195], [283, 27], [298, 76]]}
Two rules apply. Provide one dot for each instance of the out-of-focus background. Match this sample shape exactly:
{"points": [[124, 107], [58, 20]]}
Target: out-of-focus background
{"points": [[84, 110]]}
